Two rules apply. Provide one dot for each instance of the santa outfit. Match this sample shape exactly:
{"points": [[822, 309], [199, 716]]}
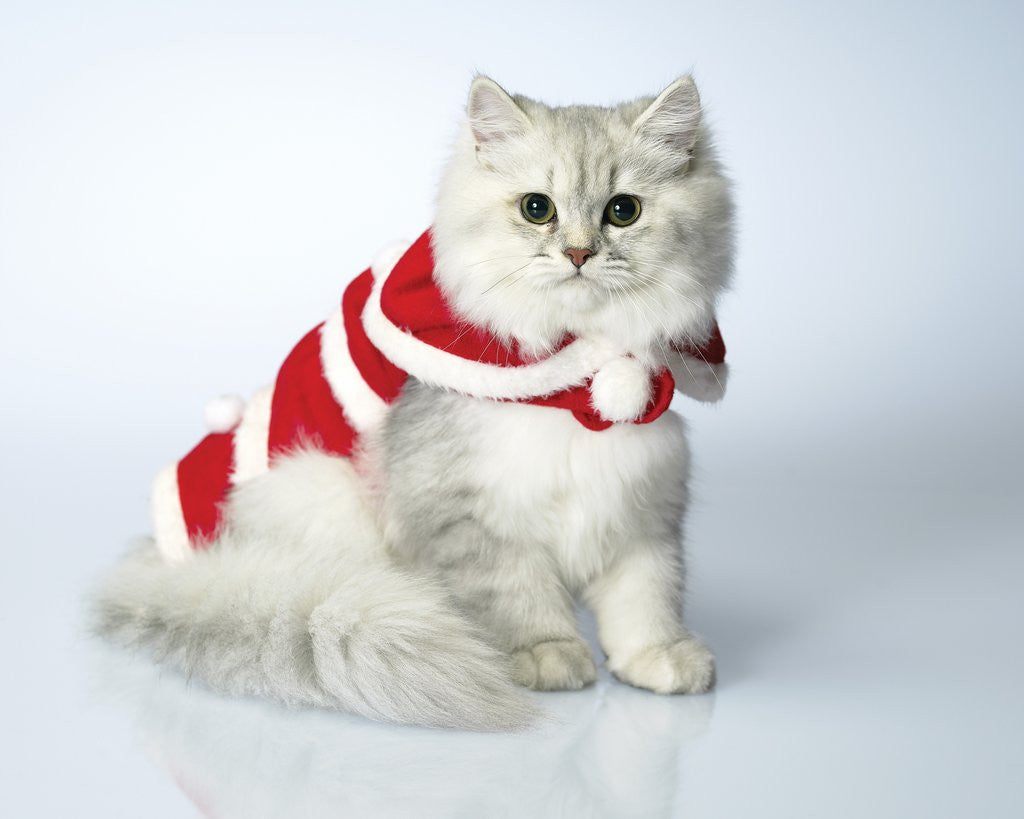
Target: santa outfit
{"points": [[338, 381]]}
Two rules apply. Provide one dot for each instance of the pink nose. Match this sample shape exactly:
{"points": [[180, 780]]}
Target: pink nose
{"points": [[579, 255]]}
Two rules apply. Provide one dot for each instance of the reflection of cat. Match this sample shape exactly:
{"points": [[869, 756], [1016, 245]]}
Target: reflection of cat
{"points": [[612, 751], [418, 577]]}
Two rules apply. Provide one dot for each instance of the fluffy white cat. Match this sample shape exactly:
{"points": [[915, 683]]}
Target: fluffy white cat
{"points": [[422, 579]]}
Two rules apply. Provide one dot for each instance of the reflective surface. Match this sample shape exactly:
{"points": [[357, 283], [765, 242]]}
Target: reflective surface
{"points": [[870, 664], [611, 752]]}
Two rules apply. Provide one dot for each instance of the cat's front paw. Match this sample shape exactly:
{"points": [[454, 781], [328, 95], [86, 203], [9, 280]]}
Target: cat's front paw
{"points": [[554, 665], [683, 667]]}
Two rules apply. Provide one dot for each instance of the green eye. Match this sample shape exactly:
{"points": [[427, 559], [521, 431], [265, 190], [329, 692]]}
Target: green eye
{"points": [[537, 208], [623, 210]]}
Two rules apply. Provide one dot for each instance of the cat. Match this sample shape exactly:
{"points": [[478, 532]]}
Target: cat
{"points": [[432, 574]]}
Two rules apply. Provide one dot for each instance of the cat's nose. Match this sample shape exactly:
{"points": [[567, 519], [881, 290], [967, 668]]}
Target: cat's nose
{"points": [[579, 255]]}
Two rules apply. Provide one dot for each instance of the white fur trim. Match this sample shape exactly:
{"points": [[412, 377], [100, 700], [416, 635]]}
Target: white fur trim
{"points": [[570, 366], [363, 408], [698, 379], [223, 413], [252, 438], [386, 259], [168, 519], [621, 389]]}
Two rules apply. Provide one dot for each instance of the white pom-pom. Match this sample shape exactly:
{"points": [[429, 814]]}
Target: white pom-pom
{"points": [[621, 389], [223, 413], [388, 257]]}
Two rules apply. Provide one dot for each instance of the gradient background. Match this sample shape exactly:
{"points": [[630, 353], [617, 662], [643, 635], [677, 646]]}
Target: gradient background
{"points": [[186, 187]]}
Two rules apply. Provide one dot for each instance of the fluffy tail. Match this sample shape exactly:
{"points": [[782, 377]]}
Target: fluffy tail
{"points": [[309, 622]]}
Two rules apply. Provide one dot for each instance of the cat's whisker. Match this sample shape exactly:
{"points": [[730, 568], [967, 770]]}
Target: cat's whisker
{"points": [[484, 350], [458, 338], [641, 308], [707, 363], [643, 298], [696, 348], [696, 283], [651, 279], [648, 278], [689, 372], [497, 259], [667, 337], [505, 277]]}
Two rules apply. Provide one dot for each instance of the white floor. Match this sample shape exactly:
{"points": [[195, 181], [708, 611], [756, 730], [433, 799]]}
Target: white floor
{"points": [[870, 665]]}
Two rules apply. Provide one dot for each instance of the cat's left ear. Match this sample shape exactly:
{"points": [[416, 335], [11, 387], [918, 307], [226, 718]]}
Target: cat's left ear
{"points": [[493, 115], [673, 119]]}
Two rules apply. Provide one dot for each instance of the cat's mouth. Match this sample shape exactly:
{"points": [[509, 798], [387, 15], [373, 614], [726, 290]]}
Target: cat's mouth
{"points": [[579, 274], [589, 280], [578, 279]]}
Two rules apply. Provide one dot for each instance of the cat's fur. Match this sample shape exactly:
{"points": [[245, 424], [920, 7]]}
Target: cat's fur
{"points": [[420, 581]]}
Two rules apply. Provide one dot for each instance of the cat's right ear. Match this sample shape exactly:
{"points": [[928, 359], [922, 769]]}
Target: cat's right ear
{"points": [[673, 119], [493, 115]]}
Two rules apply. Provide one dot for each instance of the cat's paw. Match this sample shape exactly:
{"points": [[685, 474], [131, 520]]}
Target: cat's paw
{"points": [[554, 665], [683, 667]]}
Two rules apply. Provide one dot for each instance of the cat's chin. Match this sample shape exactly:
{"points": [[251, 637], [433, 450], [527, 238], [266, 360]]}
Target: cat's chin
{"points": [[577, 293]]}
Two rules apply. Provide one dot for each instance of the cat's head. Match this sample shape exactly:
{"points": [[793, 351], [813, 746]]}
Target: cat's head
{"points": [[585, 220]]}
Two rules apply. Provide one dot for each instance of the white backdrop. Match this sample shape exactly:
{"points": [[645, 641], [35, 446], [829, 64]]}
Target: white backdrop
{"points": [[186, 187]]}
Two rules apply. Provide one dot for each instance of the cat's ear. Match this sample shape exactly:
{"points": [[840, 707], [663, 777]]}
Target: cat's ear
{"points": [[493, 114], [673, 119]]}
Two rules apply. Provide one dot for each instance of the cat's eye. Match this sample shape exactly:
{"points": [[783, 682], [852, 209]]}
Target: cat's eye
{"points": [[622, 210], [537, 208]]}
